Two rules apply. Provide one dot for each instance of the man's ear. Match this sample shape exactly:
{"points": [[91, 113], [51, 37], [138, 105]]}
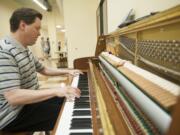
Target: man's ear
{"points": [[22, 25]]}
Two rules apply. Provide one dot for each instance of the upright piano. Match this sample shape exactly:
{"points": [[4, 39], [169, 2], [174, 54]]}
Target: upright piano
{"points": [[132, 84]]}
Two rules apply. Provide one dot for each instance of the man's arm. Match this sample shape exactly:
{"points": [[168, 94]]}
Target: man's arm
{"points": [[24, 96], [55, 72]]}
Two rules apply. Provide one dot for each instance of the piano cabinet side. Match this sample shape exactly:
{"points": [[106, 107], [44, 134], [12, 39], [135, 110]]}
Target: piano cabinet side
{"points": [[96, 122], [174, 127], [113, 120]]}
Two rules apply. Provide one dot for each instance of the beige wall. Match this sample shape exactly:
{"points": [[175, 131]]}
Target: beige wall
{"points": [[80, 22], [118, 9], [6, 10]]}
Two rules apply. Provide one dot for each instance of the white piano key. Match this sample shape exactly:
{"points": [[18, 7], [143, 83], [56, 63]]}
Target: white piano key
{"points": [[75, 81], [80, 131], [65, 120], [66, 116]]}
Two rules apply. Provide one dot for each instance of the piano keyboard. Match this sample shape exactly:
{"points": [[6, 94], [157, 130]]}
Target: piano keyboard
{"points": [[76, 116]]}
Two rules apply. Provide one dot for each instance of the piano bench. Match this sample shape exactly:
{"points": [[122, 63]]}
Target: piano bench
{"points": [[18, 133]]}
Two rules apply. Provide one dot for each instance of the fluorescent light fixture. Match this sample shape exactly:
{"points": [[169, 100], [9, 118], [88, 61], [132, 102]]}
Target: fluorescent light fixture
{"points": [[40, 4], [63, 30], [58, 26]]}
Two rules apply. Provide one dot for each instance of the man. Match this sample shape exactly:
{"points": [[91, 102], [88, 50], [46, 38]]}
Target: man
{"points": [[23, 106], [48, 48], [43, 46]]}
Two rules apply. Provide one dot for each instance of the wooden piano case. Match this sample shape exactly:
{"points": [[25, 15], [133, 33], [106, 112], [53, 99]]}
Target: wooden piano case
{"points": [[152, 44]]}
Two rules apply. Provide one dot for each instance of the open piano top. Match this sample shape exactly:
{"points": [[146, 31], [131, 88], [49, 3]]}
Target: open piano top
{"points": [[144, 100]]}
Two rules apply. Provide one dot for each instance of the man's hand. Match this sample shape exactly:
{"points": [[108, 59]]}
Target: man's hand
{"points": [[75, 72], [69, 92]]}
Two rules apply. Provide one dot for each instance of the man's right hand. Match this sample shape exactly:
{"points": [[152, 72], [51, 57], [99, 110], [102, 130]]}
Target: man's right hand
{"points": [[68, 92]]}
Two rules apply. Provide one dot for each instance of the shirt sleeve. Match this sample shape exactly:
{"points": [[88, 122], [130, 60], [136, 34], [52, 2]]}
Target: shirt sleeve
{"points": [[38, 65]]}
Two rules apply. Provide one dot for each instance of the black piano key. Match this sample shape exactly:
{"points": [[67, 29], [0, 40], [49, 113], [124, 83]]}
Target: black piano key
{"points": [[83, 89], [80, 119], [80, 127], [81, 113], [81, 103], [83, 84], [84, 97], [81, 106], [84, 92], [83, 81], [83, 78], [81, 124], [81, 100], [81, 133]]}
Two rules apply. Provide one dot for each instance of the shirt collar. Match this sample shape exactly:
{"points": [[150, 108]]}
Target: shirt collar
{"points": [[15, 43]]}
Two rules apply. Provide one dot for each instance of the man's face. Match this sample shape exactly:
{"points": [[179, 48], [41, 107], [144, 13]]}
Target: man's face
{"points": [[32, 32]]}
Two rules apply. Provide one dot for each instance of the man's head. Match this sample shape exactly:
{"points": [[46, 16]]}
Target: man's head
{"points": [[27, 23]]}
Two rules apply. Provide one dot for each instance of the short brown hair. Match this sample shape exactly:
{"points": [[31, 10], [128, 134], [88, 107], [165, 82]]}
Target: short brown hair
{"points": [[28, 15]]}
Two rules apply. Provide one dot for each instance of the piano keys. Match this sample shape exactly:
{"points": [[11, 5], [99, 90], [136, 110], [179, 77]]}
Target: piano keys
{"points": [[76, 116]]}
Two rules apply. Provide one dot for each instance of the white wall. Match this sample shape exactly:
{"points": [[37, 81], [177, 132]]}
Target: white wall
{"points": [[118, 9], [80, 22]]}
